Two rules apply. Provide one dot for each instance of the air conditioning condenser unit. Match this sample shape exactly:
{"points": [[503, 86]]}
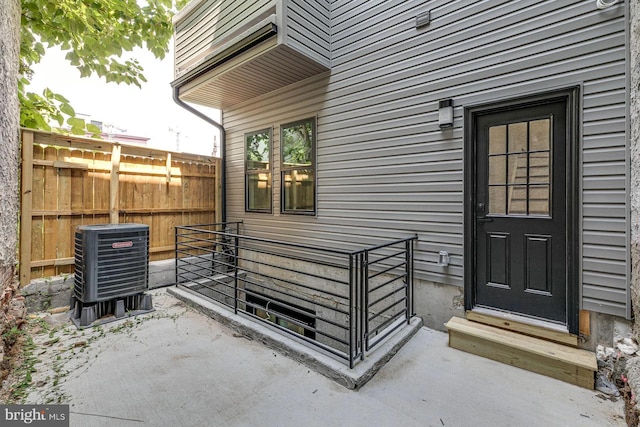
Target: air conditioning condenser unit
{"points": [[111, 273]]}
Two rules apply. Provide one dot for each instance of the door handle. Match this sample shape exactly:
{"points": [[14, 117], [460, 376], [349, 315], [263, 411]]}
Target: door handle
{"points": [[485, 219]]}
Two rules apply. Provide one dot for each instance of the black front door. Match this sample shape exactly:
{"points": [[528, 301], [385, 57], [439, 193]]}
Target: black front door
{"points": [[522, 180]]}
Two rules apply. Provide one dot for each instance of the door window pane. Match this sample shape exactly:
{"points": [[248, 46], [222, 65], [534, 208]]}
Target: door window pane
{"points": [[517, 137], [539, 167], [497, 139], [540, 138], [519, 163], [497, 200], [497, 170], [517, 169], [539, 200], [517, 200]]}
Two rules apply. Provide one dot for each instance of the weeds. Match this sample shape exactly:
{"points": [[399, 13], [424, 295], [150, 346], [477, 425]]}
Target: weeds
{"points": [[11, 336], [19, 390]]}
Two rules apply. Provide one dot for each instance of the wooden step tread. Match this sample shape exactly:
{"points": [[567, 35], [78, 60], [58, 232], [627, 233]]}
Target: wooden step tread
{"points": [[506, 321], [554, 351]]}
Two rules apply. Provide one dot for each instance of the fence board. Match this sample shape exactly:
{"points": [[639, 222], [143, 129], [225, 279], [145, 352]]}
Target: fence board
{"points": [[71, 186]]}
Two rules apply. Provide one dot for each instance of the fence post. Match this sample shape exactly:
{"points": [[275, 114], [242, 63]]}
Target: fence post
{"points": [[168, 171], [26, 216], [217, 202], [114, 196]]}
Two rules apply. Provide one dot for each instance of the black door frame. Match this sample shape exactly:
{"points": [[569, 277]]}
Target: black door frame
{"points": [[571, 97]]}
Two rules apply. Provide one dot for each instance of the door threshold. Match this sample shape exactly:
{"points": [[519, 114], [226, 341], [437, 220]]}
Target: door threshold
{"points": [[523, 324]]}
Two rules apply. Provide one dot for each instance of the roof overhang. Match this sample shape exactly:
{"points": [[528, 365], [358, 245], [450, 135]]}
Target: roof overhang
{"points": [[249, 65]]}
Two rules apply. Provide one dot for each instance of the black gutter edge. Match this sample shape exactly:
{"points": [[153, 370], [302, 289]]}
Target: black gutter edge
{"points": [[223, 139]]}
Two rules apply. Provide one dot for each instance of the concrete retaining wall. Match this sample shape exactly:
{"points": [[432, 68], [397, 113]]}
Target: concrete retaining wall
{"points": [[55, 291]]}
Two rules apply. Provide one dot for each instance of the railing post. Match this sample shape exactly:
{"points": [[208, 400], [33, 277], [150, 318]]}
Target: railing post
{"points": [[409, 281], [352, 310], [176, 254], [235, 273], [365, 302], [411, 246]]}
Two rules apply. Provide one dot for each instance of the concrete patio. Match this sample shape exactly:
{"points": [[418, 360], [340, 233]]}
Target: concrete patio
{"points": [[178, 367]]}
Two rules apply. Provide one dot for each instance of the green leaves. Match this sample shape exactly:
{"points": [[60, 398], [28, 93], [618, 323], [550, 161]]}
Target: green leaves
{"points": [[96, 34], [38, 111]]}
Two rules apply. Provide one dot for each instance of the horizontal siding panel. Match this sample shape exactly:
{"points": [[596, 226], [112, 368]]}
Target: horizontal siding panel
{"points": [[404, 196], [601, 238], [604, 168], [576, 69], [210, 25], [610, 98], [384, 166], [395, 179], [604, 252], [388, 187], [605, 196], [379, 66], [615, 125], [308, 29], [614, 154], [605, 225], [390, 166], [441, 217], [604, 211], [616, 82], [604, 182], [612, 140], [424, 208], [604, 113], [609, 281], [601, 293], [604, 305], [604, 266]]}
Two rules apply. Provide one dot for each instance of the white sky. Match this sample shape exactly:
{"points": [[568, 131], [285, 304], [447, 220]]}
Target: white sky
{"points": [[148, 112]]}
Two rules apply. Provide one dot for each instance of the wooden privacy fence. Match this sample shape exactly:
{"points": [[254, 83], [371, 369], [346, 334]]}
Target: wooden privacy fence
{"points": [[69, 181]]}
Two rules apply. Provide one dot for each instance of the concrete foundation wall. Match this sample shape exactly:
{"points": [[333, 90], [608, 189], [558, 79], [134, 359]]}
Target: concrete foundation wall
{"points": [[54, 292], [437, 303]]}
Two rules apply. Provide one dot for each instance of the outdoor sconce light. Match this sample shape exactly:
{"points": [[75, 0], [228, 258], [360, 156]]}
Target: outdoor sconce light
{"points": [[443, 259], [445, 113]]}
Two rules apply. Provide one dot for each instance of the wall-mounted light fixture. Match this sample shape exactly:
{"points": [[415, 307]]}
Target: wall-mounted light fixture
{"points": [[443, 258], [445, 113]]}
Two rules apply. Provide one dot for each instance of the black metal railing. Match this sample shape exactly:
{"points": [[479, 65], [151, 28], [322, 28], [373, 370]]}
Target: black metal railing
{"points": [[344, 302]]}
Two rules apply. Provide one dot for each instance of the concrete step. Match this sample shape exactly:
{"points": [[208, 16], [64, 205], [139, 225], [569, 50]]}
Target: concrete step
{"points": [[572, 365]]}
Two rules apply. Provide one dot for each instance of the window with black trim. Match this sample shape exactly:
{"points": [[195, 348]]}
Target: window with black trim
{"points": [[257, 171], [297, 167]]}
